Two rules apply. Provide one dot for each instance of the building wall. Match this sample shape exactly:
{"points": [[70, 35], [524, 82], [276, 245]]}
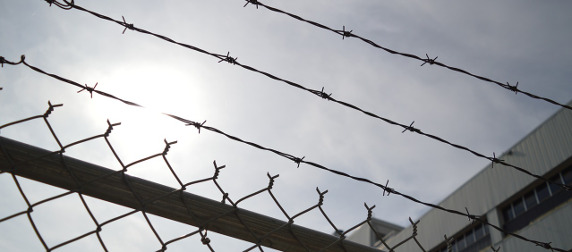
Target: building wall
{"points": [[365, 235], [362, 235], [547, 147], [555, 227]]}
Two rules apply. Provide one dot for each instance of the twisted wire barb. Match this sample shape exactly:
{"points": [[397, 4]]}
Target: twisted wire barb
{"points": [[427, 60], [414, 234], [79, 187], [344, 33], [295, 159]]}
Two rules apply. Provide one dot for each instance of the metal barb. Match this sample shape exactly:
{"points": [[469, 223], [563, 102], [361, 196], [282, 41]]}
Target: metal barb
{"points": [[429, 60], [51, 108], [127, 26], [410, 128], [168, 146], [324, 95], [66, 5], [299, 160], [110, 127], [545, 245], [217, 169], [346, 33], [414, 223], [271, 178], [321, 200], [470, 216], [224, 198], [369, 210], [387, 189], [414, 226], [204, 239], [197, 125], [255, 2], [494, 160], [89, 89], [228, 59], [512, 88]]}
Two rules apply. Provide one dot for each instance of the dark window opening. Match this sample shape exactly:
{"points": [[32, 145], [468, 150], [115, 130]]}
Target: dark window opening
{"points": [[472, 240], [507, 214], [530, 200], [542, 192], [470, 237], [518, 207], [554, 187], [537, 201], [567, 175], [479, 232]]}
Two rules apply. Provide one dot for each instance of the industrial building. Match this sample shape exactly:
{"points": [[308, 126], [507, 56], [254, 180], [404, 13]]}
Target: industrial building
{"points": [[505, 197]]}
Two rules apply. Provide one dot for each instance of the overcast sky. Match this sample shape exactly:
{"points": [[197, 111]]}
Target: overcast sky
{"points": [[508, 41]]}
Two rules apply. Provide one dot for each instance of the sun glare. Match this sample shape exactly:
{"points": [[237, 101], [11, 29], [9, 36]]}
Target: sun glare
{"points": [[158, 90]]}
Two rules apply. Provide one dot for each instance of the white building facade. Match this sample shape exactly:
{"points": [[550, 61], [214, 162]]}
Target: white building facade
{"points": [[512, 200]]}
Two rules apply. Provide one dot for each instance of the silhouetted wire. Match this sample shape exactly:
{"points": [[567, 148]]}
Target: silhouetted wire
{"points": [[297, 160], [426, 60], [322, 94], [80, 186]]}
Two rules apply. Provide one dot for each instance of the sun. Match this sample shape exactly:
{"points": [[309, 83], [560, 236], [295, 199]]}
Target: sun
{"points": [[159, 90]]}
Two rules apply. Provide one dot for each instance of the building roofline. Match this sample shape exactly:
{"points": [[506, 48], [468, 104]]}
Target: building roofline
{"points": [[387, 224]]}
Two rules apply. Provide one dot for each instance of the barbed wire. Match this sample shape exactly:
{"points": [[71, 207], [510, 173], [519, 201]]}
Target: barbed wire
{"points": [[227, 58], [427, 60], [84, 180], [298, 160], [197, 125]]}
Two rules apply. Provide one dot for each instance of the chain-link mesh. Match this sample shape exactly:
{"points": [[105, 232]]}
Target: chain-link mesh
{"points": [[83, 183]]}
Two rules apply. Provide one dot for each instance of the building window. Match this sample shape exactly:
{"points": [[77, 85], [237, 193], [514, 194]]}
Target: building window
{"points": [[536, 201], [472, 240], [518, 207], [554, 189], [530, 200], [542, 192], [567, 176]]}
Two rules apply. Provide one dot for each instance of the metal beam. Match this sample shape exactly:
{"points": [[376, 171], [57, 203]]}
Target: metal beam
{"points": [[109, 185]]}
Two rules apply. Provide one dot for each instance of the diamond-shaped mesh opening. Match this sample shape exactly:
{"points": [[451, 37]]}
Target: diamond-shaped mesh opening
{"points": [[88, 244], [10, 198], [17, 234], [130, 233], [62, 219]]}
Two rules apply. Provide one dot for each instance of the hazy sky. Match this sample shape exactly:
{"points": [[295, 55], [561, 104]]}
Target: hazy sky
{"points": [[508, 41]]}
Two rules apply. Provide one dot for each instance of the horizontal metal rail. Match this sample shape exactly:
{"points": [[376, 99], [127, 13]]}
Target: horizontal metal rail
{"points": [[54, 169]]}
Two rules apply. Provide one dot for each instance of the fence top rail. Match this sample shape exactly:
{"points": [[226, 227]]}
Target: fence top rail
{"points": [[46, 166]]}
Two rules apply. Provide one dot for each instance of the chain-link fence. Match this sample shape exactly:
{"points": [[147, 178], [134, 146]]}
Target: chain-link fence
{"points": [[81, 205], [82, 182]]}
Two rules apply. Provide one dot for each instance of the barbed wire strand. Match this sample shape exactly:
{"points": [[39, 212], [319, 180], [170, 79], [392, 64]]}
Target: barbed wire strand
{"points": [[427, 60], [322, 94], [297, 160], [493, 159]]}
